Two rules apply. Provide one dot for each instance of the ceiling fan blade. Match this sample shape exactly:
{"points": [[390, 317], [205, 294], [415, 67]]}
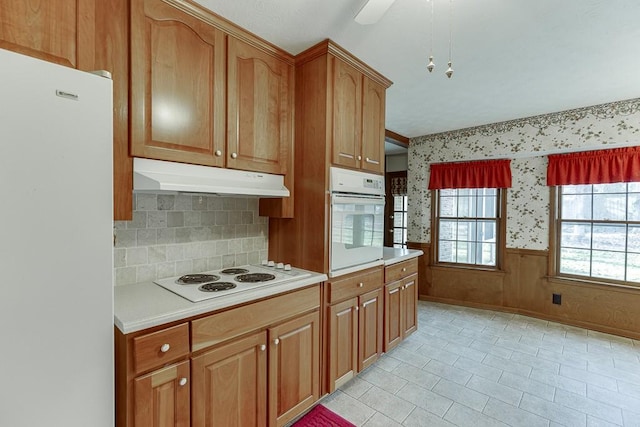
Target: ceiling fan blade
{"points": [[372, 11]]}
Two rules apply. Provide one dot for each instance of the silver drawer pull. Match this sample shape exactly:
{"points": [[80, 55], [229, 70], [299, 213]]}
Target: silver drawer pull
{"points": [[263, 347], [375, 162], [360, 284], [165, 347], [276, 341], [183, 381]]}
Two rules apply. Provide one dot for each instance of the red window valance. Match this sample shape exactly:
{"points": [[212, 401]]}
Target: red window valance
{"points": [[595, 167], [480, 174]]}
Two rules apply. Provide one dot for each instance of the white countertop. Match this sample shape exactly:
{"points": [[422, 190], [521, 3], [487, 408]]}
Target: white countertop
{"points": [[394, 255], [144, 305]]}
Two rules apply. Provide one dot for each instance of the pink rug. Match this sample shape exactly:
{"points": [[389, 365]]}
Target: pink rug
{"points": [[320, 416]]}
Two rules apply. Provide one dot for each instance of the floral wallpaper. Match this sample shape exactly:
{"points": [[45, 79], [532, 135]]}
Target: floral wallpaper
{"points": [[527, 142]]}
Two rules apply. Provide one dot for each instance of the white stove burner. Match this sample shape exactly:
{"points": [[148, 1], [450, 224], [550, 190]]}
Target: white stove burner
{"points": [[194, 293]]}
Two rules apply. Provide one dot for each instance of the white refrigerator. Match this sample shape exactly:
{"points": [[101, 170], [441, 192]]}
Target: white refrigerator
{"points": [[56, 245]]}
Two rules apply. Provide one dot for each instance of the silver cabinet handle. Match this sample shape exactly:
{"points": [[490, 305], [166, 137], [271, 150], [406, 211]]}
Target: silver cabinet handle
{"points": [[263, 347], [234, 155], [183, 381], [357, 307], [394, 291], [276, 341], [359, 157], [375, 162], [218, 153], [165, 348], [404, 269], [360, 284]]}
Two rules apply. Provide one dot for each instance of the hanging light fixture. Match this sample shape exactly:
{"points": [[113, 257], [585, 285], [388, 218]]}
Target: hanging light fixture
{"points": [[449, 71], [431, 65]]}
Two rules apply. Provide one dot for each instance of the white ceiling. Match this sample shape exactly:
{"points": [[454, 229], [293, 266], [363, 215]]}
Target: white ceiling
{"points": [[512, 58]]}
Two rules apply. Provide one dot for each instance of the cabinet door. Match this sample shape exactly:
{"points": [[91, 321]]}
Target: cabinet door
{"points": [[392, 315], [373, 104], [347, 115], [343, 342], [260, 109], [60, 31], [370, 328], [294, 368], [162, 397], [410, 304], [177, 85], [230, 384]]}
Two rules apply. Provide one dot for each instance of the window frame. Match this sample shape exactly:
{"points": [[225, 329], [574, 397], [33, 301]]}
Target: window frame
{"points": [[501, 234], [555, 236]]}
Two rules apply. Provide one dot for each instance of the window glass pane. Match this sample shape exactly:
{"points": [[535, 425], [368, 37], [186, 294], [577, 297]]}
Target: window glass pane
{"points": [[633, 240], [466, 252], [486, 231], [447, 230], [397, 203], [609, 237], [608, 265], [618, 187], [575, 261], [487, 192], [634, 187], [467, 230], [576, 189], [446, 251], [633, 207], [633, 267], [466, 192], [397, 219], [487, 254], [466, 206], [397, 235], [404, 237], [405, 203], [486, 207], [448, 192], [576, 207], [448, 207], [575, 235], [612, 207]]}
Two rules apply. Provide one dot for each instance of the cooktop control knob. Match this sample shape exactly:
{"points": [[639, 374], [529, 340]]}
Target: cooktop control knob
{"points": [[287, 267], [271, 263], [280, 265]]}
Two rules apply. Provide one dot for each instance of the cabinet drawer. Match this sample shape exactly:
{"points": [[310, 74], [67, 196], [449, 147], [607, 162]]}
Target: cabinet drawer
{"points": [[225, 325], [160, 347], [402, 269], [352, 286]]}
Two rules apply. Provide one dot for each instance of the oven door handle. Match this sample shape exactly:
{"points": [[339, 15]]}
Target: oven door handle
{"points": [[357, 199]]}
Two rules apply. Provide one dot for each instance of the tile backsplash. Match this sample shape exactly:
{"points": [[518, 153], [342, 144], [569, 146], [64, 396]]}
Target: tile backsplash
{"points": [[175, 234]]}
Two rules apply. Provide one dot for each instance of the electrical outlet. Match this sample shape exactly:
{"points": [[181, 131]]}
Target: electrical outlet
{"points": [[556, 299]]}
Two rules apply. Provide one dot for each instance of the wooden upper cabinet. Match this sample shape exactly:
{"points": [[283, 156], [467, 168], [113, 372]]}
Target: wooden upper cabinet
{"points": [[60, 31], [373, 113], [177, 85], [347, 115], [259, 108]]}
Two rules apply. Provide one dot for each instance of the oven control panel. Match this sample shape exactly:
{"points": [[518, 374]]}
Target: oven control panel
{"points": [[356, 182]]}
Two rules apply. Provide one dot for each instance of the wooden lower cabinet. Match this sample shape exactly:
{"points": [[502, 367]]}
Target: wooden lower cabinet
{"points": [[294, 368], [230, 384], [355, 336], [400, 310], [257, 364], [161, 398]]}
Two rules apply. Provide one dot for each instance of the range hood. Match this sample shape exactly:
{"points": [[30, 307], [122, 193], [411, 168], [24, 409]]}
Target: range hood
{"points": [[160, 176]]}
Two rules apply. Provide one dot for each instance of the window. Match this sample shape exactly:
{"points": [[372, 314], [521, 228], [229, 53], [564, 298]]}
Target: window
{"points": [[400, 221], [468, 226], [598, 231]]}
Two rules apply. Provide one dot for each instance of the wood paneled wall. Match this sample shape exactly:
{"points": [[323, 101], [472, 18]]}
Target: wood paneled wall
{"points": [[523, 286]]}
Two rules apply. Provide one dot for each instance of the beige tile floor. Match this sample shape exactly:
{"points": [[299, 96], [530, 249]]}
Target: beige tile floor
{"points": [[471, 367]]}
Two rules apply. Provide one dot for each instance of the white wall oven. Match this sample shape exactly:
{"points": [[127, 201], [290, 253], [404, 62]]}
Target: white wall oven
{"points": [[357, 221]]}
